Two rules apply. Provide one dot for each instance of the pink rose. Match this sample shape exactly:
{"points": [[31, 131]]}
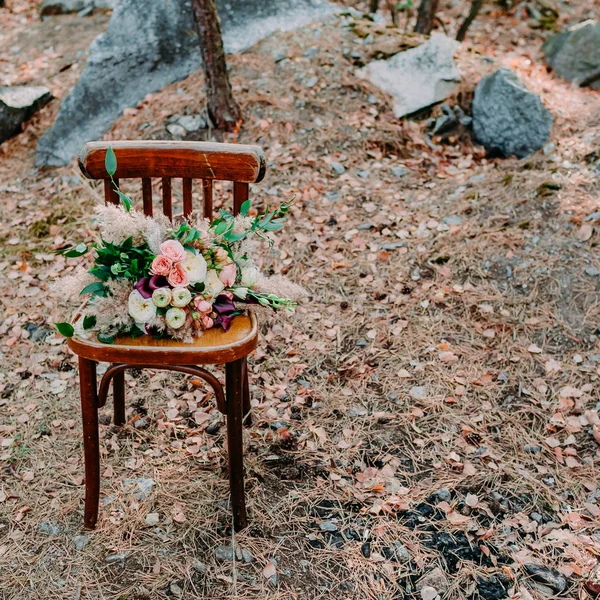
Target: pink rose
{"points": [[221, 255], [161, 265], [228, 274], [178, 276], [207, 322], [173, 249], [202, 305]]}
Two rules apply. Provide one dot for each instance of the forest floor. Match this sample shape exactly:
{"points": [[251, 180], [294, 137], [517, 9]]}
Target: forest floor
{"points": [[429, 419]]}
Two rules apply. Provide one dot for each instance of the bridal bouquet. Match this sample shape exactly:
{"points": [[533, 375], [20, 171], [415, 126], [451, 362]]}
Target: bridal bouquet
{"points": [[152, 278]]}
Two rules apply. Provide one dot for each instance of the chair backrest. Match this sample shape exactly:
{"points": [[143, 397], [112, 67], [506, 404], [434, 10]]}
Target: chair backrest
{"points": [[241, 164]]}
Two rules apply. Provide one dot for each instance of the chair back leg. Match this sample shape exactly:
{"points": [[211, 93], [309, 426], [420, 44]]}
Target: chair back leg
{"points": [[119, 398], [234, 389], [247, 415], [91, 444]]}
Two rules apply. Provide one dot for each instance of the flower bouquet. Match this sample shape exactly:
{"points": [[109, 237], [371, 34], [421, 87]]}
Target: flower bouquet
{"points": [[152, 278]]}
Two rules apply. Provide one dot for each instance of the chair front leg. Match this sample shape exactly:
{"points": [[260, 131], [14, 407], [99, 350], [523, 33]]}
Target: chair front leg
{"points": [[247, 414], [119, 398], [234, 389], [91, 443]]}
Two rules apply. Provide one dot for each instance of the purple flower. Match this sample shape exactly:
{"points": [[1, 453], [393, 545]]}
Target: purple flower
{"points": [[225, 308], [146, 285]]}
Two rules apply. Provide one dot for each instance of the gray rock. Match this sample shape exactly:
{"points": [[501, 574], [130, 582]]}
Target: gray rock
{"points": [[574, 54], [117, 559], [63, 7], [338, 168], [549, 577], [399, 171], [436, 579], [418, 392], [224, 553], [400, 551], [532, 448], [140, 488], [199, 567], [419, 77], [247, 556], [442, 495], [452, 220], [176, 130], [508, 119], [147, 46], [192, 122], [50, 528], [310, 83], [17, 105], [80, 541], [328, 526]]}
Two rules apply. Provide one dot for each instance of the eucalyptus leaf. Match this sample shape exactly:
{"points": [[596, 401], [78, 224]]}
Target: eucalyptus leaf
{"points": [[89, 321], [65, 329], [110, 161], [92, 288]]}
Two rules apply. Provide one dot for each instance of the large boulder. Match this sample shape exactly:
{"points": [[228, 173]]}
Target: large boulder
{"points": [[17, 105], [147, 46], [574, 54], [509, 119], [419, 77]]}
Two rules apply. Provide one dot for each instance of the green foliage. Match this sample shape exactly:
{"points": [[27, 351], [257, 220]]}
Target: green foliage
{"points": [[65, 329], [122, 261], [74, 251], [110, 162], [89, 321]]}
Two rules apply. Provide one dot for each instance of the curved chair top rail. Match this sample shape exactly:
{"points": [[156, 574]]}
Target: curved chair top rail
{"points": [[193, 160]]}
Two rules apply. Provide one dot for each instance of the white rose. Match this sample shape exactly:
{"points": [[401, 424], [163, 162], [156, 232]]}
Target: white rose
{"points": [[250, 277], [213, 286], [195, 267], [161, 297], [175, 317], [141, 309], [181, 297]]}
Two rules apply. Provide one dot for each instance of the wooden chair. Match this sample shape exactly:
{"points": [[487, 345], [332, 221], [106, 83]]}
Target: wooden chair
{"points": [[167, 160]]}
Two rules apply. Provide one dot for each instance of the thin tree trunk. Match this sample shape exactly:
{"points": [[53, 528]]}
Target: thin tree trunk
{"points": [[393, 6], [426, 16], [475, 7], [373, 6], [222, 108]]}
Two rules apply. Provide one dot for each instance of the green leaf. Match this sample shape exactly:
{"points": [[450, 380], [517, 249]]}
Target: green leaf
{"points": [[92, 288], [89, 321], [102, 273], [245, 208], [74, 251], [125, 199], [222, 227], [65, 329], [235, 237], [110, 161], [106, 339]]}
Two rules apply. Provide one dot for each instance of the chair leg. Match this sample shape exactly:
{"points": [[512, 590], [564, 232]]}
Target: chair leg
{"points": [[91, 444], [234, 390], [247, 414], [119, 398]]}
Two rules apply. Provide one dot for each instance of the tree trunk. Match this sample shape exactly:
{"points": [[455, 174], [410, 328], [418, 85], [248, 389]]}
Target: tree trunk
{"points": [[426, 16], [222, 108], [373, 5], [393, 6], [475, 7]]}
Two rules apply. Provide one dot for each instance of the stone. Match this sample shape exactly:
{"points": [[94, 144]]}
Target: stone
{"points": [[452, 220], [247, 556], [117, 559], [328, 526], [399, 171], [199, 567], [418, 392], [213, 428], [176, 130], [548, 577], [80, 541], [192, 122], [17, 105], [509, 119], [152, 518], [532, 448], [50, 8], [50, 528], [429, 593], [574, 54], [224, 553], [338, 168], [442, 495], [147, 46], [418, 77], [435, 579], [140, 488]]}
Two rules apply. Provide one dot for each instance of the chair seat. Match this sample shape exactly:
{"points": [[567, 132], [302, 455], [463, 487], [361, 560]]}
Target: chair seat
{"points": [[212, 347]]}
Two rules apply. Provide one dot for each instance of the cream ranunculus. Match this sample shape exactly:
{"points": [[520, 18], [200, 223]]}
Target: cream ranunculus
{"points": [[175, 318], [250, 277], [141, 309], [213, 286], [162, 297], [195, 267], [181, 297]]}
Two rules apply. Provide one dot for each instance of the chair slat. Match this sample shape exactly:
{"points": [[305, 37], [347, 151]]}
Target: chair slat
{"points": [[240, 195], [147, 195], [187, 196], [110, 196], [207, 199], [166, 195]]}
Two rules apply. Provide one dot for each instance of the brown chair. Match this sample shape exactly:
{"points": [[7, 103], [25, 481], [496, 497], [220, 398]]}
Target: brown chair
{"points": [[167, 160]]}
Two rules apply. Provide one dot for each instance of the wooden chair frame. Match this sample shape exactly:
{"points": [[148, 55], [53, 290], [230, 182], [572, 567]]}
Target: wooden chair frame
{"points": [[240, 164]]}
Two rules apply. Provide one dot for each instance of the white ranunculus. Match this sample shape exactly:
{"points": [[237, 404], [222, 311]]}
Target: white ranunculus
{"points": [[250, 276], [162, 297], [195, 267], [175, 317], [240, 292], [181, 297], [141, 309], [213, 286]]}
